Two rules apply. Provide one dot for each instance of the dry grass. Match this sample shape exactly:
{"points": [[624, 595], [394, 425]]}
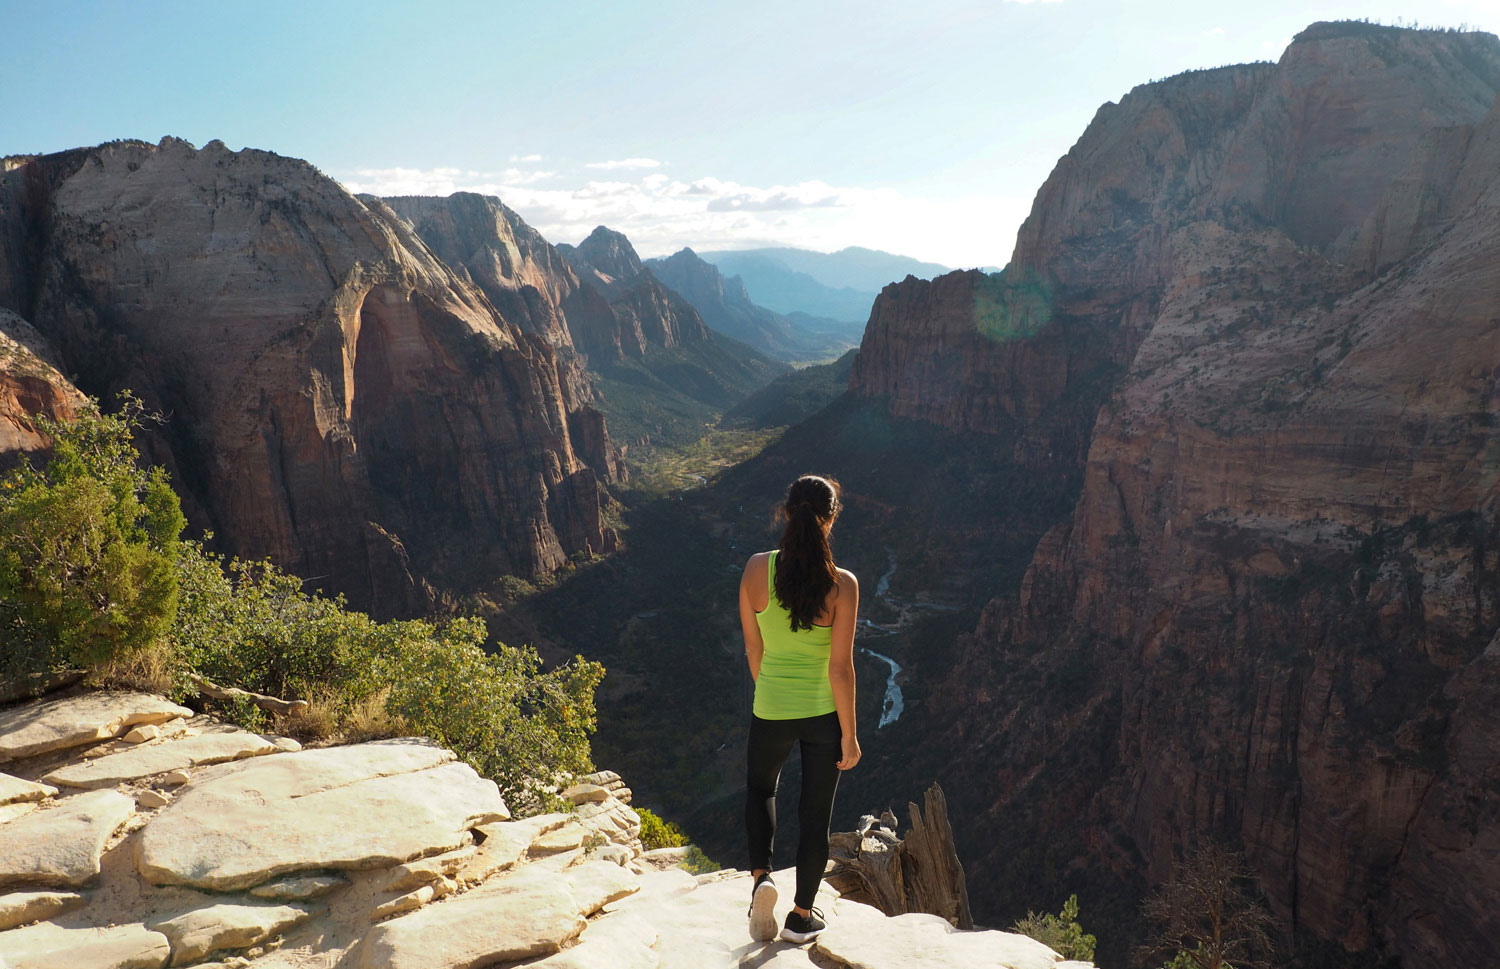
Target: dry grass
{"points": [[323, 724], [150, 670]]}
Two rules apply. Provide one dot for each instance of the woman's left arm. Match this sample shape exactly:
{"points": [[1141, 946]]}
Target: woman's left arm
{"points": [[755, 647]]}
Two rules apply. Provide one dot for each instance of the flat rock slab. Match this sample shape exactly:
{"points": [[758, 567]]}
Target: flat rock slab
{"points": [[612, 942], [228, 925], [597, 883], [704, 923], [520, 916], [14, 790], [19, 908], [48, 946], [62, 845], [47, 725], [362, 806], [862, 937], [299, 887], [580, 793], [145, 761], [563, 838]]}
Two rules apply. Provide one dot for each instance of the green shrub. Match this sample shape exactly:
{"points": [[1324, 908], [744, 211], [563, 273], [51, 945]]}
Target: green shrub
{"points": [[93, 571], [88, 545], [697, 863], [250, 625], [656, 833], [1061, 932]]}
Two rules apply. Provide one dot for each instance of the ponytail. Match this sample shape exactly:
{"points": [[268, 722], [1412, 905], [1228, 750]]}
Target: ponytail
{"points": [[805, 572]]}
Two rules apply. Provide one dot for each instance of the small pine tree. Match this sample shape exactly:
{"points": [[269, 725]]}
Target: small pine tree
{"points": [[1060, 932], [88, 548]]}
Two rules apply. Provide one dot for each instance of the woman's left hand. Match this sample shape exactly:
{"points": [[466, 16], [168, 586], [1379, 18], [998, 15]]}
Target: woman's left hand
{"points": [[851, 753]]}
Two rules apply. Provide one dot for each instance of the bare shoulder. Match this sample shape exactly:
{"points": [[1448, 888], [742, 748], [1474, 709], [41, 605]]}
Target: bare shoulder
{"points": [[846, 580], [757, 563]]}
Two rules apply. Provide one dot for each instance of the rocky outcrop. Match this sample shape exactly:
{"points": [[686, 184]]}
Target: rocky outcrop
{"points": [[396, 860], [339, 399], [1271, 617], [645, 313], [30, 386], [523, 276]]}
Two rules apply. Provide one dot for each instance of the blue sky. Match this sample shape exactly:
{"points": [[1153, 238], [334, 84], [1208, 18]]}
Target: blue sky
{"points": [[920, 128]]}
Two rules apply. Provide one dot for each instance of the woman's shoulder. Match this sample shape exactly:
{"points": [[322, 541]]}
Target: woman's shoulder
{"points": [[846, 580], [757, 562]]}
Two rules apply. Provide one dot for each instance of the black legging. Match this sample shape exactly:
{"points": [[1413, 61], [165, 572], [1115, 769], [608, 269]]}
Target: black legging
{"points": [[770, 745]]}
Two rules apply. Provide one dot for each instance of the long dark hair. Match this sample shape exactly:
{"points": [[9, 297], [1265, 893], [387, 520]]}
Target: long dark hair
{"points": [[805, 572]]}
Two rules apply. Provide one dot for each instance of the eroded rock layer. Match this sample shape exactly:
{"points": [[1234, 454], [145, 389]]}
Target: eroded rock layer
{"points": [[338, 398]]}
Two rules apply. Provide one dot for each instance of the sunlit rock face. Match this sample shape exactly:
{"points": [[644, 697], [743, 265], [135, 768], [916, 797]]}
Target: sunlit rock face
{"points": [[337, 398], [643, 313], [1270, 618], [30, 387]]}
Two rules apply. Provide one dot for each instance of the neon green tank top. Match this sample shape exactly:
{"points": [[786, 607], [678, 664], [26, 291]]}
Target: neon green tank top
{"points": [[793, 679]]}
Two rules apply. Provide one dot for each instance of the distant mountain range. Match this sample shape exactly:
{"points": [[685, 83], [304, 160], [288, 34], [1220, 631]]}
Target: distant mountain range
{"points": [[726, 307], [836, 285]]}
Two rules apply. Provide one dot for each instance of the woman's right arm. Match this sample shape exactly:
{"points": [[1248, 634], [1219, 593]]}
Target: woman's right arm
{"points": [[755, 647]]}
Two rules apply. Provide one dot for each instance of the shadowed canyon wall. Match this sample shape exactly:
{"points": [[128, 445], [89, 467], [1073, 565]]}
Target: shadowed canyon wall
{"points": [[1272, 616]]}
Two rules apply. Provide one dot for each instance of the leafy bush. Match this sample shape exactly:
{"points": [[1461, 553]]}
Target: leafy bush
{"points": [[87, 564], [250, 625], [697, 863], [92, 569], [657, 833], [1060, 932]]}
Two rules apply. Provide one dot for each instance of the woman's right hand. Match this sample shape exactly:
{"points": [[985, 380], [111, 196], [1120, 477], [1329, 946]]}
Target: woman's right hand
{"points": [[851, 753]]}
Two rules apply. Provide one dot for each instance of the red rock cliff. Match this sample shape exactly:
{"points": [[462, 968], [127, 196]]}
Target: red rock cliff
{"points": [[30, 386], [338, 399]]}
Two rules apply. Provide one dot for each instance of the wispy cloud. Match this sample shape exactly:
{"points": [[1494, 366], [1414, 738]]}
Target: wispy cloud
{"points": [[1215, 32], [1031, 1], [661, 214], [625, 163], [527, 159], [439, 181]]}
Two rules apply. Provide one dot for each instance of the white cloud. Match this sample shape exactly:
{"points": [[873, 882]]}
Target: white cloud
{"points": [[626, 163], [516, 159], [1215, 32], [661, 214], [1031, 1]]}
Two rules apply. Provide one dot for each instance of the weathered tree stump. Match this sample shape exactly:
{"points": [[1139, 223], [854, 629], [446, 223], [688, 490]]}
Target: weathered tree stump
{"points": [[921, 873], [270, 704]]}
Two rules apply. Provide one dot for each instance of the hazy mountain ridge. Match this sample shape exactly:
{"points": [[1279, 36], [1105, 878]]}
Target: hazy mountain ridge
{"points": [[772, 284], [726, 307], [852, 267]]}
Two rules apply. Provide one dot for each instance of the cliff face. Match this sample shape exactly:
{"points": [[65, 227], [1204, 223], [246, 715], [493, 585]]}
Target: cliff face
{"points": [[1272, 617], [645, 313], [527, 279], [338, 399], [30, 385]]}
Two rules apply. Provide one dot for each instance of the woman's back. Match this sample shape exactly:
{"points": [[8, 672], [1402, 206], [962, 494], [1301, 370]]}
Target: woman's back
{"points": [[793, 679]]}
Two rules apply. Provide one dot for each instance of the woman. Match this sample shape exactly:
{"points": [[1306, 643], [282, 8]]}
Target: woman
{"points": [[797, 610]]}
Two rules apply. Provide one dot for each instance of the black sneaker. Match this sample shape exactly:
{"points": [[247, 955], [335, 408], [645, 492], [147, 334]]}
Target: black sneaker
{"points": [[803, 928], [762, 909]]}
